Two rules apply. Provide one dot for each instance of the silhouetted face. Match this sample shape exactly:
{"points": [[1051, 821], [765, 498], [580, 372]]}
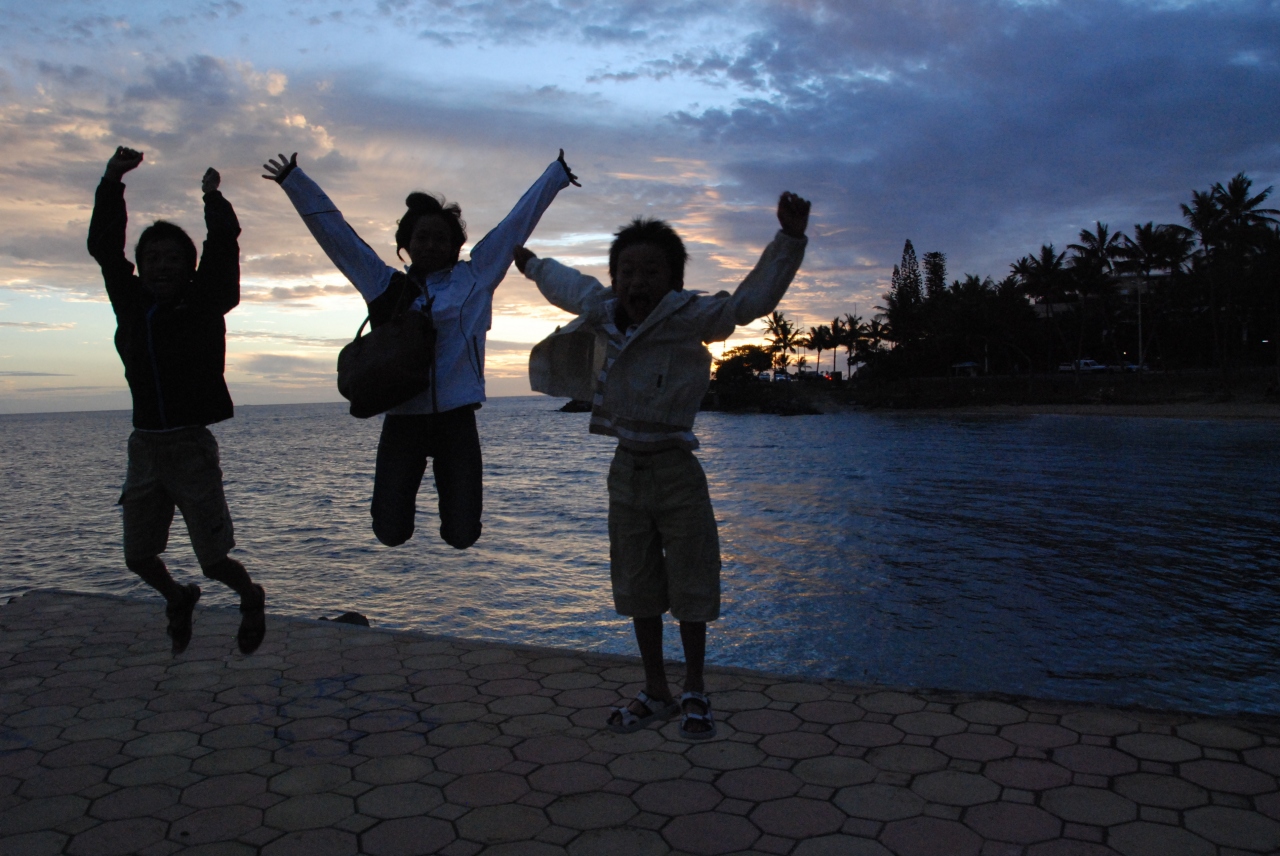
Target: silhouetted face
{"points": [[432, 245], [643, 278], [163, 268]]}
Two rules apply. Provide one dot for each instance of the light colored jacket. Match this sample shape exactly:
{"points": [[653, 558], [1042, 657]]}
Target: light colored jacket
{"points": [[662, 372], [462, 296]]}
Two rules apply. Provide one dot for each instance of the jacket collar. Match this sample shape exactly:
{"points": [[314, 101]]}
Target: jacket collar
{"points": [[671, 303]]}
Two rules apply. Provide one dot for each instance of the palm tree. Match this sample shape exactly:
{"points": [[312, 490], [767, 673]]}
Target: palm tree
{"points": [[782, 338], [854, 340], [1153, 248], [838, 335], [1097, 250], [818, 339]]}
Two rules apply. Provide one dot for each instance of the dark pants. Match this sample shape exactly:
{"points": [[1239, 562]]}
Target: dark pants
{"points": [[451, 441]]}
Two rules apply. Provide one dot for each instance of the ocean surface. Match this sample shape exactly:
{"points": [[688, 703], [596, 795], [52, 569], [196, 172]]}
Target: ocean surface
{"points": [[1117, 560]]}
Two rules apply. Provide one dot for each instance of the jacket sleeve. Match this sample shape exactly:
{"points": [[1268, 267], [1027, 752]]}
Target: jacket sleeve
{"points": [[106, 242], [219, 275], [492, 255], [566, 288], [757, 295], [356, 259]]}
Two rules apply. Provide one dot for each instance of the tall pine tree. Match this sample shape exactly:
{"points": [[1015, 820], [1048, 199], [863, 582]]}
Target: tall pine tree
{"points": [[935, 275], [904, 304]]}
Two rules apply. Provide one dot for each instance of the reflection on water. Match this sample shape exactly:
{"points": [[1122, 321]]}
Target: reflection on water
{"points": [[1117, 560]]}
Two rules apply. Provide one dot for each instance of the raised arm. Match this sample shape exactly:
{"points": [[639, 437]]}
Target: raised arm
{"points": [[763, 288], [110, 217], [349, 253], [219, 273], [563, 287], [491, 256]]}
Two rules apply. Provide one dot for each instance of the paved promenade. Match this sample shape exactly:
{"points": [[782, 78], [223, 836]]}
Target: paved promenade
{"points": [[337, 740]]}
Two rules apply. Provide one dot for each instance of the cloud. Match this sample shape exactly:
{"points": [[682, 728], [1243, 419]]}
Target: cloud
{"points": [[33, 374], [38, 326], [310, 341]]}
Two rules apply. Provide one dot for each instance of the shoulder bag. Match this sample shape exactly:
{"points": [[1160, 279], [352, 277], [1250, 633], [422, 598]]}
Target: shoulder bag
{"points": [[392, 364]]}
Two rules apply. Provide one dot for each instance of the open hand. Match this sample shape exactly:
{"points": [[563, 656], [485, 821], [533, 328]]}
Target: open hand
{"points": [[523, 257], [210, 181], [122, 161], [573, 179], [793, 214], [278, 172]]}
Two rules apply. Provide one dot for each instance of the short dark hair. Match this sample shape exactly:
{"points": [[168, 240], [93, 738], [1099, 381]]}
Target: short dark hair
{"points": [[646, 230], [163, 230], [427, 205]]}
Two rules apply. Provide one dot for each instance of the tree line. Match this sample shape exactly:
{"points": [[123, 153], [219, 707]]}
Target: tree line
{"points": [[1204, 293]]}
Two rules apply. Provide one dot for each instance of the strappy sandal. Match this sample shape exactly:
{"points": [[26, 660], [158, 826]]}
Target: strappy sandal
{"points": [[628, 720], [690, 716], [179, 614]]}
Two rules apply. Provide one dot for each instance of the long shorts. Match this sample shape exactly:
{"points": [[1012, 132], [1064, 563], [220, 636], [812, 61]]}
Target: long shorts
{"points": [[664, 551], [175, 468]]}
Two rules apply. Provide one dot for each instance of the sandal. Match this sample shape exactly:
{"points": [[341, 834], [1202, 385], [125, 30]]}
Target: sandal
{"points": [[253, 622], [623, 720], [690, 716], [179, 614]]}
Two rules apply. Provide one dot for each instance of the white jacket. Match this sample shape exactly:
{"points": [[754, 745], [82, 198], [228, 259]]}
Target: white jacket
{"points": [[462, 296], [662, 372]]}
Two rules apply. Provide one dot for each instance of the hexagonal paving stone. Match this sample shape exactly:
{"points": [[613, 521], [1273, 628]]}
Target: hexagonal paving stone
{"points": [[866, 734], [677, 797], [1228, 777], [907, 759], [1039, 735], [591, 811], [309, 811], [1012, 822], [1151, 839], [764, 721], [312, 779], [879, 802], [795, 817], [1161, 791], [990, 713], [1158, 747], [1101, 723], [47, 813], [315, 842], [974, 747], [723, 755], [496, 824], [891, 702], [840, 845], [616, 842], [929, 723], [139, 801], [649, 766], [403, 800], [952, 787], [1233, 827], [224, 823], [1095, 760], [710, 833], [930, 836], [575, 777], [551, 749], [224, 790], [393, 770], [1218, 735], [118, 837], [474, 759], [756, 784], [835, 771], [481, 789], [1028, 774], [829, 712], [1089, 805]]}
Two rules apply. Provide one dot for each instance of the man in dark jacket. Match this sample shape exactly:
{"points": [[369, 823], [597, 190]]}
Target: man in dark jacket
{"points": [[172, 339]]}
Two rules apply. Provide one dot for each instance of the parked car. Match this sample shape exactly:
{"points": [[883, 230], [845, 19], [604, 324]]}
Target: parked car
{"points": [[1083, 366], [781, 376]]}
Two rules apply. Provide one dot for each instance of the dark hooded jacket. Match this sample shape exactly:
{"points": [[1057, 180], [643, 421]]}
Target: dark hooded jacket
{"points": [[173, 351]]}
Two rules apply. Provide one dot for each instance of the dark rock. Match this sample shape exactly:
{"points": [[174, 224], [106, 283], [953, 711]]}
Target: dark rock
{"points": [[348, 618], [576, 406]]}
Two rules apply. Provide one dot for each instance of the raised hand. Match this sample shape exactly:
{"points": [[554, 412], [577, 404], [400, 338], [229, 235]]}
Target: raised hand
{"points": [[523, 257], [278, 172], [793, 214], [210, 181], [122, 161], [573, 179]]}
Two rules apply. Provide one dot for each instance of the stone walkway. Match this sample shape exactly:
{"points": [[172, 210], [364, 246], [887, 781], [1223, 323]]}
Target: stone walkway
{"points": [[336, 740]]}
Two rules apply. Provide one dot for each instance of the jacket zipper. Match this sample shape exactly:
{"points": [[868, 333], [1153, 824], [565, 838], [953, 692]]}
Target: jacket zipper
{"points": [[155, 366]]}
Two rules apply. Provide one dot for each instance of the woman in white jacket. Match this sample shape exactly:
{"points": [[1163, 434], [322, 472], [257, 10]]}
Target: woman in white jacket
{"points": [[438, 423]]}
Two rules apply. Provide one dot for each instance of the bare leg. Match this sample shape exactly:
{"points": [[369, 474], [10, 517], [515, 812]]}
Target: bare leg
{"points": [[180, 600], [649, 639], [253, 620], [693, 635], [154, 573]]}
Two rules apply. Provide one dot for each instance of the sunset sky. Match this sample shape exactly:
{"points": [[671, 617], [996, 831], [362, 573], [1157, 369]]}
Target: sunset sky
{"points": [[980, 129]]}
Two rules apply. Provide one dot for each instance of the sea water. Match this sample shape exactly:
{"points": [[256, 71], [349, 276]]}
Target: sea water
{"points": [[1118, 560]]}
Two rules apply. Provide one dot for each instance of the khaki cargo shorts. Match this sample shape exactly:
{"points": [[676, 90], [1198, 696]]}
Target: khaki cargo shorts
{"points": [[175, 468], [664, 551]]}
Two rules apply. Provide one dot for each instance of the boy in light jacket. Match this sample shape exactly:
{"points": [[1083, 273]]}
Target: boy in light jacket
{"points": [[638, 352]]}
